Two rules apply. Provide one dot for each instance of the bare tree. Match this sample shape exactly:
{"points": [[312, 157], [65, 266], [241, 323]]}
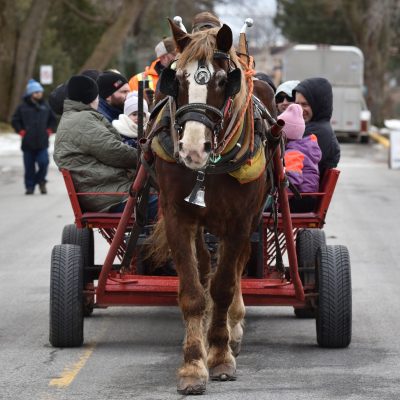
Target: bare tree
{"points": [[19, 45], [372, 26], [112, 39]]}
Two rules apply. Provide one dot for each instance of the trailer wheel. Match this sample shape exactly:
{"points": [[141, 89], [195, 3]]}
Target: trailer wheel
{"points": [[334, 305], [66, 296], [364, 139], [308, 242], [80, 237]]}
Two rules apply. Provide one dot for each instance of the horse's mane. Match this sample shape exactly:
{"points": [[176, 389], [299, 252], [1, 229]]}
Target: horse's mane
{"points": [[201, 47]]}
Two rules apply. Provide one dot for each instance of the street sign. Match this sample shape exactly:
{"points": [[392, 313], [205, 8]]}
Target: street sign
{"points": [[46, 74]]}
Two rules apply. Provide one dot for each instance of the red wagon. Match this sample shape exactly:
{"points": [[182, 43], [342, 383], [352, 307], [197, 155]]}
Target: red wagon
{"points": [[316, 280]]}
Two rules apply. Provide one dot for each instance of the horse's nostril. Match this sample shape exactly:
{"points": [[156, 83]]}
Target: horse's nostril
{"points": [[207, 147], [180, 146]]}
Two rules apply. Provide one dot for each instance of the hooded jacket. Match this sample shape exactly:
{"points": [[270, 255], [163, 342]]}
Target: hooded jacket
{"points": [[301, 161], [92, 150], [36, 119], [318, 93]]}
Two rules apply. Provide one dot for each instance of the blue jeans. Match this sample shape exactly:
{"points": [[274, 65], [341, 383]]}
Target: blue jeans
{"points": [[152, 208], [35, 176]]}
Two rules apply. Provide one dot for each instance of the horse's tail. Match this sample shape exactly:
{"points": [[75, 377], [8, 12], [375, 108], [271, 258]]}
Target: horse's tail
{"points": [[157, 249]]}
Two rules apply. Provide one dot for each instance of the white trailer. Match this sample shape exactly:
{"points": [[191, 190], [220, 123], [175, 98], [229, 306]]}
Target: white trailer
{"points": [[343, 66]]}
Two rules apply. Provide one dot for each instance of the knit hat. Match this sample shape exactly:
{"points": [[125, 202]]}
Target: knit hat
{"points": [[109, 83], [32, 87], [287, 87], [57, 97], [82, 88], [166, 46], [132, 102], [294, 122], [205, 20], [91, 73]]}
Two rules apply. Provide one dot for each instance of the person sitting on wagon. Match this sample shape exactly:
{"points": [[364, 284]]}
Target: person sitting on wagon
{"points": [[126, 124], [315, 97], [113, 89], [284, 95], [92, 150], [302, 155]]}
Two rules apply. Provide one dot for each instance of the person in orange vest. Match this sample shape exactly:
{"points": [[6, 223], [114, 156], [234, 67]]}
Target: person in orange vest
{"points": [[165, 52]]}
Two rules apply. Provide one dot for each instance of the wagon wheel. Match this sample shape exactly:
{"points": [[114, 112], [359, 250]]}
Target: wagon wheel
{"points": [[334, 301], [308, 242], [66, 296], [83, 238]]}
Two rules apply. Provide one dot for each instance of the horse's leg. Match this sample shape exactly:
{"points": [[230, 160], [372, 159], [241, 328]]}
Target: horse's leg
{"points": [[203, 258], [220, 360], [193, 374], [237, 310]]}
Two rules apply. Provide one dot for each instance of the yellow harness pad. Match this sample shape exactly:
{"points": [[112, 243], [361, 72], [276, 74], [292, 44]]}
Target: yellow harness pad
{"points": [[249, 171], [159, 150]]}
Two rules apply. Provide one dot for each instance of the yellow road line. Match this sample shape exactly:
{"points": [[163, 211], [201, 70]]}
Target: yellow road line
{"points": [[69, 373], [380, 139]]}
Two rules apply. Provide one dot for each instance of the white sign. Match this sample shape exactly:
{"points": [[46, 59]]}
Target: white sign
{"points": [[46, 74], [394, 160]]}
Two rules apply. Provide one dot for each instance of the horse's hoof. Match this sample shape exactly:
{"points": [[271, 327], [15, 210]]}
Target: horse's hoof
{"points": [[236, 346], [223, 372], [188, 385]]}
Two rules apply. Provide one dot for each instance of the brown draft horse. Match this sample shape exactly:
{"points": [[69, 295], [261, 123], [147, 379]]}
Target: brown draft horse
{"points": [[209, 88]]}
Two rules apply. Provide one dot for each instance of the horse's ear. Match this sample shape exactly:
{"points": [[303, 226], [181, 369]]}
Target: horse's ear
{"points": [[181, 38], [234, 82], [168, 83], [224, 39]]}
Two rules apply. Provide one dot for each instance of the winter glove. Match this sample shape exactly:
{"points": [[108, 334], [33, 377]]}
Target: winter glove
{"points": [[22, 133]]}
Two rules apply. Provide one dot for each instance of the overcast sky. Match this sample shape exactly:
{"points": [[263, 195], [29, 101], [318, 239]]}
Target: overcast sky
{"points": [[261, 11]]}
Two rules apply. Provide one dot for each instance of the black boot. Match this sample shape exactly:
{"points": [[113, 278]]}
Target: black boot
{"points": [[42, 187]]}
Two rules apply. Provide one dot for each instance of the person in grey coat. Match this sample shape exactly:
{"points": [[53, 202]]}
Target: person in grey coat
{"points": [[92, 149]]}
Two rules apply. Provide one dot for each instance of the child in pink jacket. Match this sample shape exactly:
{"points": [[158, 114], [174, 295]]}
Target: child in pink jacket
{"points": [[302, 154]]}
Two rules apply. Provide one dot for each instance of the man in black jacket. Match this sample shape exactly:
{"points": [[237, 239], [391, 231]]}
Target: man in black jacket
{"points": [[34, 122], [314, 95]]}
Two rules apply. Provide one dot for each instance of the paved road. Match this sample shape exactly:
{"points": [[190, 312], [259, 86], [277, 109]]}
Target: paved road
{"points": [[132, 353]]}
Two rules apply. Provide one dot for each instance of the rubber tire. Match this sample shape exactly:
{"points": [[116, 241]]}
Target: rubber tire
{"points": [[66, 296], [334, 304], [308, 242], [364, 139], [80, 237], [85, 239]]}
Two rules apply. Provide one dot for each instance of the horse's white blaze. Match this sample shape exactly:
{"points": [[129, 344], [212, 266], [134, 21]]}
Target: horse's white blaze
{"points": [[192, 150]]}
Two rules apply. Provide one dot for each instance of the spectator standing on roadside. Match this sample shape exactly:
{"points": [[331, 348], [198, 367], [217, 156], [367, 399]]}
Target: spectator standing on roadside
{"points": [[113, 89], [34, 121]]}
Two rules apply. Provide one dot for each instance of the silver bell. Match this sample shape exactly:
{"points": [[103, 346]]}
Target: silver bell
{"points": [[196, 197]]}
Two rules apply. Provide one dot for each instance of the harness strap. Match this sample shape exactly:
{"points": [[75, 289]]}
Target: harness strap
{"points": [[140, 220]]}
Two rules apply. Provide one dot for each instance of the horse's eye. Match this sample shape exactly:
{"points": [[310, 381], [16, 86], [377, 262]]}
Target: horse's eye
{"points": [[222, 82]]}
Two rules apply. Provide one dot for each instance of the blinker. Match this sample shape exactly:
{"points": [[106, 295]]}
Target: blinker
{"points": [[234, 82], [169, 83]]}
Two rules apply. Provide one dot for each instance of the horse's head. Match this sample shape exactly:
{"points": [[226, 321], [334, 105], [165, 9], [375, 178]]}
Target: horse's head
{"points": [[206, 85]]}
